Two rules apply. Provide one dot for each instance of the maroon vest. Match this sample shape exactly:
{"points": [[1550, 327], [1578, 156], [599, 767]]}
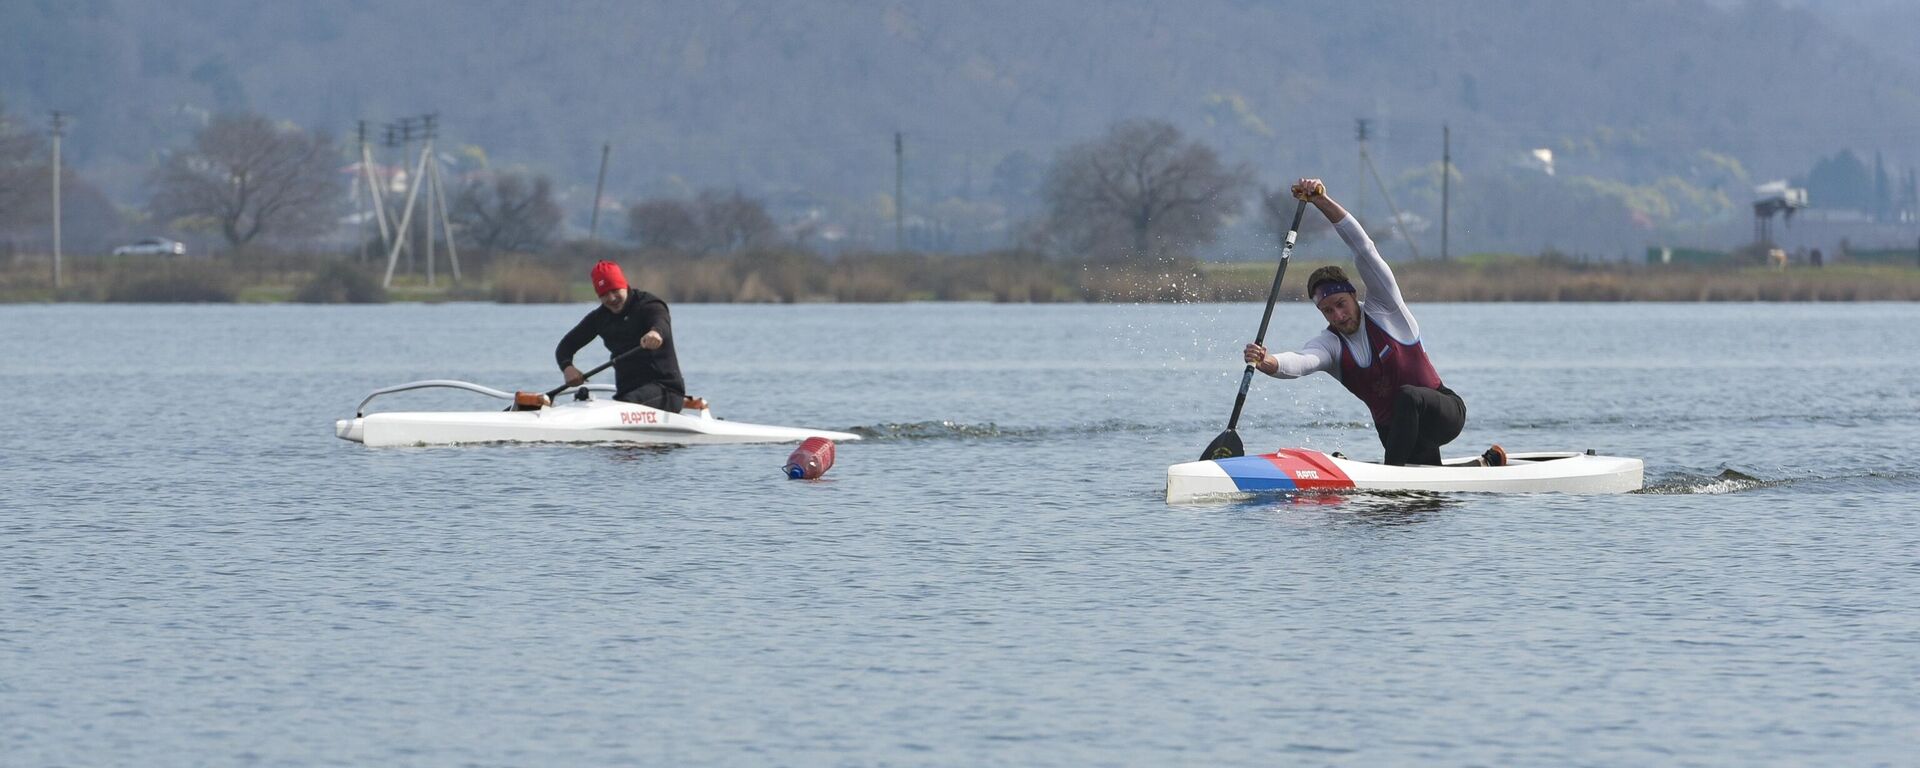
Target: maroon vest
{"points": [[1394, 364]]}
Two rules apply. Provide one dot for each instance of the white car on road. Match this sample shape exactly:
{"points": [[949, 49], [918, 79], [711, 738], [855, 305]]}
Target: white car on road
{"points": [[152, 246]]}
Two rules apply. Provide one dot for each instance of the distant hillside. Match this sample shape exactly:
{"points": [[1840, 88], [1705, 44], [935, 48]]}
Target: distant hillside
{"points": [[798, 102]]}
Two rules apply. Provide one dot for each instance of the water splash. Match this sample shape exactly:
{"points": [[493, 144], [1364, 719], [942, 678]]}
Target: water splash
{"points": [[1728, 481], [1340, 424]]}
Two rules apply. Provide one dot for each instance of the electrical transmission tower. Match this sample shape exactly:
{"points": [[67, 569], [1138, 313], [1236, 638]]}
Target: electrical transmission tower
{"points": [[426, 174]]}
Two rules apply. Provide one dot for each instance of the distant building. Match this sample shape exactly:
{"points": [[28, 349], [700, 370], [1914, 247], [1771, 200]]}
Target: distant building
{"points": [[1775, 198]]}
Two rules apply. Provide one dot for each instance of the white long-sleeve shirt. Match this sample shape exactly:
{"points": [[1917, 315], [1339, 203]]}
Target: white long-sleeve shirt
{"points": [[1384, 306]]}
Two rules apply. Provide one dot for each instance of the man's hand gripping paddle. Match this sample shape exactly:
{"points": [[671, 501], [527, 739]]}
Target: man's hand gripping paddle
{"points": [[533, 401], [555, 392]]}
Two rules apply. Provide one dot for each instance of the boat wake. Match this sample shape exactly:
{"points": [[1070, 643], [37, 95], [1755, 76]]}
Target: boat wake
{"points": [[953, 430], [1728, 481], [940, 430]]}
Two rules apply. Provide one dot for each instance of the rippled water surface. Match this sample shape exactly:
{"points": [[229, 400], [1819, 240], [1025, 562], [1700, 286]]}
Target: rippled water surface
{"points": [[194, 571]]}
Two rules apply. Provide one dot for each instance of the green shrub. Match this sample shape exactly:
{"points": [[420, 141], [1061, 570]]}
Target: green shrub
{"points": [[172, 283], [341, 283], [521, 283]]}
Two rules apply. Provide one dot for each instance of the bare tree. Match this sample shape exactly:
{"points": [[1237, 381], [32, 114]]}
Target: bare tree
{"points": [[512, 213], [731, 221], [714, 222], [23, 175], [1276, 212], [665, 224], [1141, 192], [251, 179], [26, 195]]}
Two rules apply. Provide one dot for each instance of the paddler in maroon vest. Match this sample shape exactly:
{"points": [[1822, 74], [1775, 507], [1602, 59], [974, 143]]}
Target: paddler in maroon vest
{"points": [[1374, 348]]}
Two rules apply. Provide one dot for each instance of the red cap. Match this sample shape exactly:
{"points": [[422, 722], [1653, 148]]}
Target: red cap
{"points": [[606, 277]]}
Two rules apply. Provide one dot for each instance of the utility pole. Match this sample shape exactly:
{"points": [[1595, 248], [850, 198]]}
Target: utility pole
{"points": [[593, 225], [1360, 201], [400, 136], [1446, 176], [404, 232], [446, 221], [360, 134], [899, 190], [433, 190], [408, 129], [440, 196], [59, 129], [374, 196], [426, 173]]}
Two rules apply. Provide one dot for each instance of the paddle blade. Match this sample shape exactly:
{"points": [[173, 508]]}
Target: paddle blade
{"points": [[1226, 446]]}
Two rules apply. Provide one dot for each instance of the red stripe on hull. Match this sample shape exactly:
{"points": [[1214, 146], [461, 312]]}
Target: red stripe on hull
{"points": [[1310, 470]]}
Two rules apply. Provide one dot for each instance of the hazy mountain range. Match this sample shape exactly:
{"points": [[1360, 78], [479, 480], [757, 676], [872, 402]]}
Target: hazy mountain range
{"points": [[798, 102]]}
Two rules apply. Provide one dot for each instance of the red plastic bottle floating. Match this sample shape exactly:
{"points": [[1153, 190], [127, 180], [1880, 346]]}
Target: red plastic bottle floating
{"points": [[812, 459]]}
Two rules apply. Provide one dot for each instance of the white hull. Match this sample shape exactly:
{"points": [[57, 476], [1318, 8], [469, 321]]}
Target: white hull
{"points": [[1303, 470], [589, 421]]}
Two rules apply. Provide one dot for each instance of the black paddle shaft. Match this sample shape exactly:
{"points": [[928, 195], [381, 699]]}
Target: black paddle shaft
{"points": [[1273, 295], [555, 392]]}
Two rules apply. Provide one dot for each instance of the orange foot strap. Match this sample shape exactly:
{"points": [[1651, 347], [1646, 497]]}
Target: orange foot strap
{"points": [[1494, 457]]}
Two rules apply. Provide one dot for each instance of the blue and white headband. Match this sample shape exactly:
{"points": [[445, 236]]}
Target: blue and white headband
{"points": [[1330, 288]]}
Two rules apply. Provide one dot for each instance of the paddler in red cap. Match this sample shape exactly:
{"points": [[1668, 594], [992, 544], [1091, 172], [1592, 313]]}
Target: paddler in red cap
{"points": [[1374, 348], [628, 318]]}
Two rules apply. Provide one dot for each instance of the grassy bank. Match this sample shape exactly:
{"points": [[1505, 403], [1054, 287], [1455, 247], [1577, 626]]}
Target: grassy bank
{"points": [[785, 276], [1535, 280]]}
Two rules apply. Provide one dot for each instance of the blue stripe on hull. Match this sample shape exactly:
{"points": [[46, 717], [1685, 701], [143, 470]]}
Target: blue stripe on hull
{"points": [[1256, 473]]}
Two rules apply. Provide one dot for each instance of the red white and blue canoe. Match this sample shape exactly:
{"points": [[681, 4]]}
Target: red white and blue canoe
{"points": [[1297, 469]]}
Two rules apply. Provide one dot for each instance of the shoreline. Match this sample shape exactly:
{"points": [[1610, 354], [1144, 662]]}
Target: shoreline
{"points": [[1006, 278]]}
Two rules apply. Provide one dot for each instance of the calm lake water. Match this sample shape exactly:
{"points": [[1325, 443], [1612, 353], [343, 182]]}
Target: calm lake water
{"points": [[194, 571]]}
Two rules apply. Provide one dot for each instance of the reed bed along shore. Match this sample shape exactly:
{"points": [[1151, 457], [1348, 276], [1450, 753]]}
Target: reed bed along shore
{"points": [[1530, 281], [785, 276]]}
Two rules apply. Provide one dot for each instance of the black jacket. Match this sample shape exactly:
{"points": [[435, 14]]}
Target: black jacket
{"points": [[643, 312]]}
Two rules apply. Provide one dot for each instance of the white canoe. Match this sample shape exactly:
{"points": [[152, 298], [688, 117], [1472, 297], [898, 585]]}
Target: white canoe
{"points": [[1295, 469], [569, 421]]}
